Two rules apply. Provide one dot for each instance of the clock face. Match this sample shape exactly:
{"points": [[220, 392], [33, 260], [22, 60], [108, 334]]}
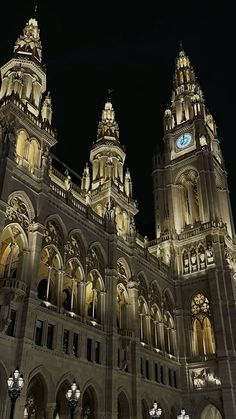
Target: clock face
{"points": [[184, 140]]}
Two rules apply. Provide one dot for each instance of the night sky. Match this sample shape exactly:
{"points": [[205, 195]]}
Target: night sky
{"points": [[104, 46]]}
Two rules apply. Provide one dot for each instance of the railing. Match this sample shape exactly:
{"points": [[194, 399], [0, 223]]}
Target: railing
{"points": [[13, 283]]}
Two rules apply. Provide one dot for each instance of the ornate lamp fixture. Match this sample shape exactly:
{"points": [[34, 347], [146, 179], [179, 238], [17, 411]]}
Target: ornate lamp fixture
{"points": [[15, 384], [72, 396], [155, 412]]}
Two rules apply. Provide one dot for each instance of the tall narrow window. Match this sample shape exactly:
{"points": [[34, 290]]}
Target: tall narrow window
{"points": [[156, 373], [11, 325], [66, 341], [175, 379], [170, 379], [39, 332], [50, 336], [141, 366], [89, 349], [97, 352], [203, 334], [162, 374], [75, 349], [147, 369]]}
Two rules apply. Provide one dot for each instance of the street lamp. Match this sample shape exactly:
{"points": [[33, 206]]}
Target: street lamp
{"points": [[155, 412], [183, 414], [15, 384], [72, 396]]}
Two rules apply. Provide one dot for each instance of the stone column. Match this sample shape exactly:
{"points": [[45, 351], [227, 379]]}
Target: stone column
{"points": [[50, 410]]}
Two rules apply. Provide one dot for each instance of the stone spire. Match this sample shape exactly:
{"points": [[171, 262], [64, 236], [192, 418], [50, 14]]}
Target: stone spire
{"points": [[187, 100], [108, 128], [29, 45]]}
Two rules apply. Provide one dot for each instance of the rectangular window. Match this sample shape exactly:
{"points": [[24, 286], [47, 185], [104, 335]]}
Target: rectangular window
{"points": [[97, 352], [11, 326], [50, 336], [147, 369], [39, 332], [170, 380], [118, 357], [89, 349], [66, 341], [175, 379], [75, 349], [141, 366], [156, 373], [162, 374]]}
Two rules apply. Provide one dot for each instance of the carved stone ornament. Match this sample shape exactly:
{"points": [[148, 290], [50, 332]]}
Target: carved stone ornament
{"points": [[94, 260], [72, 247], [17, 212], [122, 276], [204, 377], [52, 234]]}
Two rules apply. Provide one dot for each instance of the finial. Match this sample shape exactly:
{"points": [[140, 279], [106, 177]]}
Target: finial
{"points": [[35, 9], [181, 45], [109, 92]]}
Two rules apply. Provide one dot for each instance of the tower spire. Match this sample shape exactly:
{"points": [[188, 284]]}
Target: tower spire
{"points": [[108, 128]]}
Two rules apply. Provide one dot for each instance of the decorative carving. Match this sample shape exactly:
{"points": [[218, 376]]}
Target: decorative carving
{"points": [[204, 378], [202, 257], [72, 247], [142, 287], [122, 275], [186, 262], [30, 42], [200, 305], [18, 212], [209, 253], [94, 260], [193, 259], [53, 234]]}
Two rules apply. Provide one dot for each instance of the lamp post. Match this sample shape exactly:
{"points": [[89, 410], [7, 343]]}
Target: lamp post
{"points": [[15, 384], [72, 396], [155, 412], [183, 414]]}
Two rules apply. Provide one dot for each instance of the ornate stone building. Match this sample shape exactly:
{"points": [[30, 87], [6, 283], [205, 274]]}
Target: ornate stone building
{"points": [[82, 294]]}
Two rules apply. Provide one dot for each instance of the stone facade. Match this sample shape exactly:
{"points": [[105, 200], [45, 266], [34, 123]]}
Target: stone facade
{"points": [[83, 296]]}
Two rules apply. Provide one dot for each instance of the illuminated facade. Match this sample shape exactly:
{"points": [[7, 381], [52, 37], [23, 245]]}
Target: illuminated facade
{"points": [[82, 294]]}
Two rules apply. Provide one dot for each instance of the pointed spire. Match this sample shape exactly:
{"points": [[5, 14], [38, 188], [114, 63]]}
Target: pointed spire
{"points": [[29, 45], [108, 128]]}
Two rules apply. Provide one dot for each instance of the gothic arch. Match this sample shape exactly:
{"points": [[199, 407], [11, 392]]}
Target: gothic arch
{"points": [[101, 256], [56, 218], [62, 408], [122, 306], [3, 389], [24, 197], [123, 268], [123, 405], [90, 402], [211, 412], [155, 292], [168, 298], [142, 285], [181, 172], [82, 241], [39, 393], [13, 243], [68, 377], [47, 381]]}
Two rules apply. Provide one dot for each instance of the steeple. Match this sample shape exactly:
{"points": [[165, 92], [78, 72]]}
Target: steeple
{"points": [[187, 100], [110, 187], [23, 76], [29, 45]]}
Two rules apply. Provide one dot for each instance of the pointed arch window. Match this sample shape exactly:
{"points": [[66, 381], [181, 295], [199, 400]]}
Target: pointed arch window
{"points": [[203, 334]]}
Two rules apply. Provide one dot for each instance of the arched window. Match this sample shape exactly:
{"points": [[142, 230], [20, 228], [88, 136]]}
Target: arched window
{"points": [[156, 327], [72, 277], [94, 286], [203, 335], [48, 276], [169, 334], [122, 306], [144, 320], [11, 252]]}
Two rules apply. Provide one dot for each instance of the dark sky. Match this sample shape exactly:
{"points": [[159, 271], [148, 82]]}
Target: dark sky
{"points": [[131, 50]]}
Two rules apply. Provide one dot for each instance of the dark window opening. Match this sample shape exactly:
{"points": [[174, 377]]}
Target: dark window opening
{"points": [[89, 349], [66, 341], [97, 352], [50, 336], [11, 325], [75, 349], [39, 332]]}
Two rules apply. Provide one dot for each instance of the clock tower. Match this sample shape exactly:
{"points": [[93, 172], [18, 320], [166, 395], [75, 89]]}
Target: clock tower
{"points": [[190, 181], [195, 238]]}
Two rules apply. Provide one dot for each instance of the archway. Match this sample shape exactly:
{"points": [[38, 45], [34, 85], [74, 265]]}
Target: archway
{"points": [[3, 391], [211, 412], [62, 409], [36, 399], [145, 410], [123, 407], [89, 404]]}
